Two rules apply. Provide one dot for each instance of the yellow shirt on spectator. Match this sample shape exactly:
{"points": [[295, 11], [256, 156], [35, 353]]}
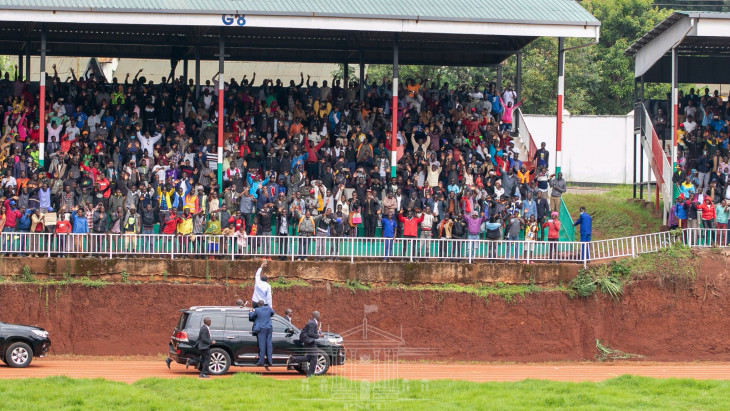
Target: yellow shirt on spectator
{"points": [[185, 226]]}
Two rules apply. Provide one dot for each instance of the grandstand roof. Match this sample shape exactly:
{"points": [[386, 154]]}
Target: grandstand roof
{"points": [[523, 11], [470, 33], [703, 47]]}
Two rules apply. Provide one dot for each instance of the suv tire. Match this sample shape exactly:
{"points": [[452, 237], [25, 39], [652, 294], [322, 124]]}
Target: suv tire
{"points": [[220, 361], [323, 364], [18, 355]]}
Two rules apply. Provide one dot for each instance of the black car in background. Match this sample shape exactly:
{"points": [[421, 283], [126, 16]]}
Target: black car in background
{"points": [[235, 344], [20, 343]]}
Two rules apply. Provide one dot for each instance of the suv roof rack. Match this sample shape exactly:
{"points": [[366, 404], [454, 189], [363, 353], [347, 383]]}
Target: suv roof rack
{"points": [[218, 307]]}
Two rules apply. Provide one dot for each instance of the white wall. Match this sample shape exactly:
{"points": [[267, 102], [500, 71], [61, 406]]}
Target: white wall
{"points": [[596, 149]]}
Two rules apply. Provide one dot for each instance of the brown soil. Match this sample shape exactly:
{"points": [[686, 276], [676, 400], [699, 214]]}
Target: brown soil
{"points": [[652, 320], [129, 371]]}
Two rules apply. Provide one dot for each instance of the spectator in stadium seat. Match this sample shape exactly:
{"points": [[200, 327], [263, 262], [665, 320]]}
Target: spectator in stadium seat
{"points": [[559, 187]]}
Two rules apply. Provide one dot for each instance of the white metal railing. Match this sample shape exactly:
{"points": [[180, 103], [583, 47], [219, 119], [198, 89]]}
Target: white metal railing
{"points": [[525, 137], [351, 248], [658, 160]]}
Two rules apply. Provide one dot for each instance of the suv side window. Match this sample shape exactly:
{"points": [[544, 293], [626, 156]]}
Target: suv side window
{"points": [[279, 326], [217, 320], [238, 323]]}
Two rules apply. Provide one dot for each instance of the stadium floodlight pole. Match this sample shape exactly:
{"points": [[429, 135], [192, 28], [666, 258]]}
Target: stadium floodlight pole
{"points": [[42, 103], [394, 109], [221, 111]]}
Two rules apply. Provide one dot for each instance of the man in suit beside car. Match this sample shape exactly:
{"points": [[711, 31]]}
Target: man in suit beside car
{"points": [[262, 327], [203, 345], [308, 337]]}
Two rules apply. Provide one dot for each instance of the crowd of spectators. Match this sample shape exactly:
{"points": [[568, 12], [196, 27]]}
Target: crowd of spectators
{"points": [[306, 159], [702, 169]]}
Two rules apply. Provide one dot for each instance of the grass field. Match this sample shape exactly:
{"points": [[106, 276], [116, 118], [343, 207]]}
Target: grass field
{"points": [[612, 216], [246, 391]]}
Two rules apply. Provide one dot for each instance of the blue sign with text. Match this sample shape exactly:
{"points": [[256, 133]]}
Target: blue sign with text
{"points": [[237, 19]]}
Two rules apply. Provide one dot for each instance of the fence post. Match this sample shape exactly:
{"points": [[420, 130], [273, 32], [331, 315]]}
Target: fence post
{"points": [[470, 247], [352, 251], [633, 246], [292, 242], [109, 244], [172, 249], [228, 240], [527, 245], [48, 243]]}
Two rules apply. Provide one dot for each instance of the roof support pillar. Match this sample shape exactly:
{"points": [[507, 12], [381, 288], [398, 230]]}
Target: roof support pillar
{"points": [[394, 109], [42, 103], [27, 59], [362, 77], [345, 75], [221, 111], [641, 146], [561, 93], [499, 79], [675, 108], [637, 128], [19, 70], [519, 75], [185, 71], [197, 73]]}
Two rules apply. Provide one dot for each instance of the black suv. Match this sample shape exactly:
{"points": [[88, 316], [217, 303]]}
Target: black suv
{"points": [[235, 344], [20, 343]]}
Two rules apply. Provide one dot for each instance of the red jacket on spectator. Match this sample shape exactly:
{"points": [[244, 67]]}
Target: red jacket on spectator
{"points": [[237, 222], [410, 225], [11, 216], [553, 227], [312, 151], [707, 208], [170, 224]]}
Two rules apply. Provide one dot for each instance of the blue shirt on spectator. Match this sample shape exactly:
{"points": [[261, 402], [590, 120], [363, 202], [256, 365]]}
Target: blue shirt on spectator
{"points": [[79, 224], [389, 227], [24, 222], [586, 223]]}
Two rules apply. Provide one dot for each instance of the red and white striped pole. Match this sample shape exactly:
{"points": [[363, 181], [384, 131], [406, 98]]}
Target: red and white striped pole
{"points": [[42, 104], [394, 110], [561, 93], [221, 112]]}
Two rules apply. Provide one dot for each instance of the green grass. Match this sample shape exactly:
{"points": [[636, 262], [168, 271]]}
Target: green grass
{"points": [[612, 216], [247, 391], [67, 280], [508, 292], [285, 284], [675, 267]]}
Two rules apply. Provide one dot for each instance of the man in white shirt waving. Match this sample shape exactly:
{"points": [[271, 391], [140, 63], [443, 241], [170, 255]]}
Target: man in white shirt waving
{"points": [[261, 289]]}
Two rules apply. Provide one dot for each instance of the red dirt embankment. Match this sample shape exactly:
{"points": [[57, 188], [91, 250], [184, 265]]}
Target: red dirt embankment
{"points": [[660, 323]]}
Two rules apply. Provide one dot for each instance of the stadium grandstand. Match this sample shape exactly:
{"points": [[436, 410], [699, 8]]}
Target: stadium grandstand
{"points": [[237, 164]]}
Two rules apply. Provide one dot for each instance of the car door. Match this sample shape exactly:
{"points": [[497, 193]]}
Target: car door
{"points": [[285, 344], [217, 327], [239, 338]]}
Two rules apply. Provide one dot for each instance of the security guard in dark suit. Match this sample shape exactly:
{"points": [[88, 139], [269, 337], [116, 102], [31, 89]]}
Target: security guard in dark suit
{"points": [[308, 337], [203, 345]]}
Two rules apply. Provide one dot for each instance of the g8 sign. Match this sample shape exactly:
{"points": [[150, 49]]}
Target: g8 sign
{"points": [[229, 19]]}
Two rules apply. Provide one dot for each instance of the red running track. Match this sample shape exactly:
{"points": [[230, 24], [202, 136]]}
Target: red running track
{"points": [[130, 370]]}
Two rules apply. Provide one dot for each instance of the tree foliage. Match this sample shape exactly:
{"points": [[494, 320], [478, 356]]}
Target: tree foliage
{"points": [[599, 79]]}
